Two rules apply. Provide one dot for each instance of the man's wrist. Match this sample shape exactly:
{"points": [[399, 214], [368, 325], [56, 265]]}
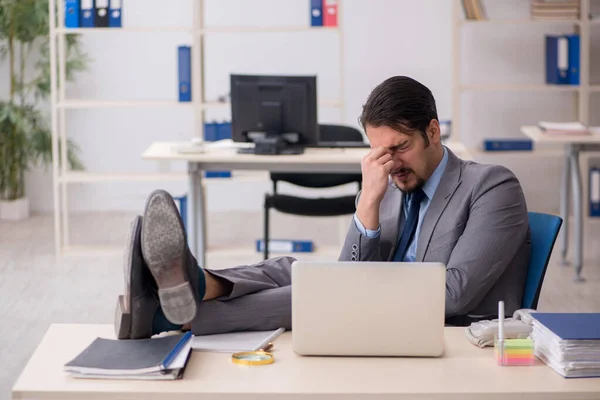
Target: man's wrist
{"points": [[368, 213]]}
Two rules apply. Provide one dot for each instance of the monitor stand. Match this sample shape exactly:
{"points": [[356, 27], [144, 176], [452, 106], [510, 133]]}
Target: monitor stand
{"points": [[272, 144]]}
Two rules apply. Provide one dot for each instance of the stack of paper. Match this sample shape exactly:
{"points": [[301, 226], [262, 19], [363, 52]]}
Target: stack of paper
{"points": [[236, 341], [555, 9], [568, 343], [155, 359], [563, 128]]}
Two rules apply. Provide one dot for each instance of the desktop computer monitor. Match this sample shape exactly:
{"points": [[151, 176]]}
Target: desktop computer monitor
{"points": [[277, 113]]}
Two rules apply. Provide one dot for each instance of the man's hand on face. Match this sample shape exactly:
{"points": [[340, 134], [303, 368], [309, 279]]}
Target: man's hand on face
{"points": [[376, 167]]}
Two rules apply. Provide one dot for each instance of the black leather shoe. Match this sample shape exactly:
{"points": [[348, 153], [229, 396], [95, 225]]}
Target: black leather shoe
{"points": [[136, 308], [165, 250]]}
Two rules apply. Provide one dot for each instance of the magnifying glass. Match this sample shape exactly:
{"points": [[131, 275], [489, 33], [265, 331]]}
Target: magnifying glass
{"points": [[260, 357]]}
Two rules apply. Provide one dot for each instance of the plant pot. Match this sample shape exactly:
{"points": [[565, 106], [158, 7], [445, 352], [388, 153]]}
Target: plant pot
{"points": [[14, 210]]}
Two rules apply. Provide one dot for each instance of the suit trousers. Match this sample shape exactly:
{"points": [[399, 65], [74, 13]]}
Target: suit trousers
{"points": [[260, 299]]}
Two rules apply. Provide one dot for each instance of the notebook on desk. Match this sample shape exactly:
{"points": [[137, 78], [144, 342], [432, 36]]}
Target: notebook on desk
{"points": [[236, 341], [150, 359]]}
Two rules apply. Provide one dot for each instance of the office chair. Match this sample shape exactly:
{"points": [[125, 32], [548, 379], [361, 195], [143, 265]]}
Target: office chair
{"points": [[544, 230], [320, 207]]}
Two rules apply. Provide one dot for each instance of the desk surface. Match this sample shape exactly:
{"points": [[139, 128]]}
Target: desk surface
{"points": [[536, 134], [330, 158], [464, 372]]}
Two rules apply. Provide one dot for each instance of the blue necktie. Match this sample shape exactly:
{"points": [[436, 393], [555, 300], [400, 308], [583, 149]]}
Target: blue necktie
{"points": [[410, 226]]}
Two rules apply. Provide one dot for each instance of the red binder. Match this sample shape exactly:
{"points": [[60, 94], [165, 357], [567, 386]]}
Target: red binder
{"points": [[330, 13]]}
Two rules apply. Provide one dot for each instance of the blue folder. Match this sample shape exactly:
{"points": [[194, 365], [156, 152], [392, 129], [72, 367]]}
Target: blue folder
{"points": [[316, 13], [571, 326], [115, 13], [214, 131], [594, 191], [87, 13], [72, 13], [573, 74], [184, 60], [508, 144], [562, 59]]}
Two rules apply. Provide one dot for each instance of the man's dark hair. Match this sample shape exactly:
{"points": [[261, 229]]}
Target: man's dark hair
{"points": [[401, 103]]}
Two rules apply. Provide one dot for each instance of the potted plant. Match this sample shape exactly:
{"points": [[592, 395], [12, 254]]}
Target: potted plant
{"points": [[25, 137]]}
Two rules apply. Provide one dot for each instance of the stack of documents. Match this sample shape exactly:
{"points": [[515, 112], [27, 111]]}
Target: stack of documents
{"points": [[236, 341], [161, 358], [563, 128], [568, 343], [555, 9]]}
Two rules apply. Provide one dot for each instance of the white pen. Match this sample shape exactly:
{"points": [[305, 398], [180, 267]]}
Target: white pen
{"points": [[501, 331]]}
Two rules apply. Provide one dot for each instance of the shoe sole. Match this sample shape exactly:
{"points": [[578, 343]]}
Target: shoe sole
{"points": [[122, 320], [123, 308], [164, 250]]}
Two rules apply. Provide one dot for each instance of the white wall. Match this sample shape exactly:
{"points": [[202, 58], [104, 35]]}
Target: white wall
{"points": [[381, 37]]}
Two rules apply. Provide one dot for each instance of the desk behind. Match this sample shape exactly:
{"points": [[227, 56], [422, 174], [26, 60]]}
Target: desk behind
{"points": [[312, 160], [326, 160], [573, 145], [464, 372]]}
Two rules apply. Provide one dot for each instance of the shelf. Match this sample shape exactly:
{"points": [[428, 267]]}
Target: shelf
{"points": [[212, 29], [82, 177], [526, 153], [322, 103], [81, 104], [518, 21], [122, 103], [142, 29], [283, 28], [519, 87]]}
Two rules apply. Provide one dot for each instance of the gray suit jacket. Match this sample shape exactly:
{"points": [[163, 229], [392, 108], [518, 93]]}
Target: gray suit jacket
{"points": [[476, 225]]}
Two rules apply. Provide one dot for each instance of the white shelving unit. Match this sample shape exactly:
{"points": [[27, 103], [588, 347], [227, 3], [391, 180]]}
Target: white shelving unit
{"points": [[62, 177], [583, 90]]}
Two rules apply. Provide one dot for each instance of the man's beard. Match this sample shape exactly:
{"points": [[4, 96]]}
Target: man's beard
{"points": [[419, 185]]}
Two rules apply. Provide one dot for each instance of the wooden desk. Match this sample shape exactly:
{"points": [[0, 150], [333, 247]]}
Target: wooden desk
{"points": [[326, 160], [573, 145], [464, 372]]}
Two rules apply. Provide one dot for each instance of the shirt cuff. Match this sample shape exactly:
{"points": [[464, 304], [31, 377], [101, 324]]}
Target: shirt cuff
{"points": [[371, 234]]}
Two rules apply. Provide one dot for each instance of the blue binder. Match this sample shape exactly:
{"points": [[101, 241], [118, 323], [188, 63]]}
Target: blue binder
{"points": [[571, 326], [594, 192], [211, 134], [214, 131], [185, 73], [573, 74], [87, 14], [115, 13], [224, 132], [286, 246], [562, 59], [72, 11], [181, 203], [316, 13], [508, 145]]}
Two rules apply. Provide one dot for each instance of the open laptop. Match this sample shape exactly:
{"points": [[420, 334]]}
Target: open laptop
{"points": [[368, 308]]}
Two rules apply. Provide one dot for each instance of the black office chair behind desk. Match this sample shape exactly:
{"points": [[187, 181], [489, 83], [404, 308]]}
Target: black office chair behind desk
{"points": [[319, 207]]}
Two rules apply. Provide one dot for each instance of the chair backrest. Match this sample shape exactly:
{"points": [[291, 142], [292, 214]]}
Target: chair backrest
{"points": [[544, 230], [327, 133], [339, 133]]}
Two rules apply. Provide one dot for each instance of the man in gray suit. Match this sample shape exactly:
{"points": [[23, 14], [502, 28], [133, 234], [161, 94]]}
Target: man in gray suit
{"points": [[419, 202]]}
